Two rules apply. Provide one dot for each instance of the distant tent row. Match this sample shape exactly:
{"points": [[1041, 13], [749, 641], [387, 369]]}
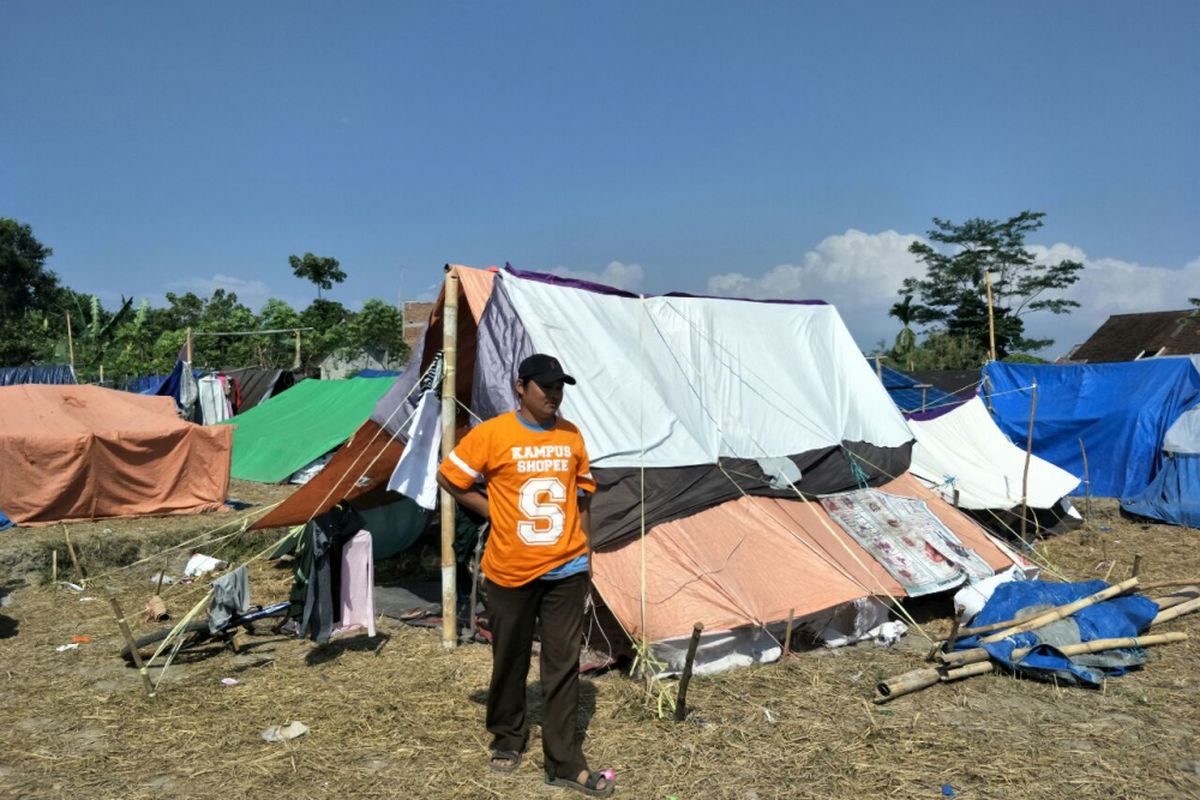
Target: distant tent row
{"points": [[53, 374]]}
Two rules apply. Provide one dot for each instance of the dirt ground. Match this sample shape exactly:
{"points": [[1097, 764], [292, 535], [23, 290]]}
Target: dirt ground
{"points": [[399, 716]]}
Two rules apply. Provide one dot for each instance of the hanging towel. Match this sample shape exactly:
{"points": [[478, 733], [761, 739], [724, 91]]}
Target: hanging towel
{"points": [[415, 475], [358, 583]]}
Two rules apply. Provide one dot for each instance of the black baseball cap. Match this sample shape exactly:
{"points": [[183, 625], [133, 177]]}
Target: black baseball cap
{"points": [[543, 370]]}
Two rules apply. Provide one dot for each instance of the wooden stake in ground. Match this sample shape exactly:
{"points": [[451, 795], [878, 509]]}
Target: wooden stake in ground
{"points": [[1028, 458], [787, 636], [686, 677], [1137, 565], [74, 558], [70, 342], [128, 636], [449, 415]]}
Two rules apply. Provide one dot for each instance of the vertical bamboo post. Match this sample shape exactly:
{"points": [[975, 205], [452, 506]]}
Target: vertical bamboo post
{"points": [[188, 347], [1087, 485], [296, 360], [987, 277], [133, 651], [101, 374], [53, 567], [449, 415], [787, 636], [686, 677], [70, 342], [1028, 457], [879, 368]]}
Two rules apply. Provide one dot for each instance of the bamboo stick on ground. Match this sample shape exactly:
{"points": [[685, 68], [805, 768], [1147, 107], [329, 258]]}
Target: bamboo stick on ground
{"points": [[907, 683], [1177, 611], [978, 654], [971, 664], [1063, 611]]}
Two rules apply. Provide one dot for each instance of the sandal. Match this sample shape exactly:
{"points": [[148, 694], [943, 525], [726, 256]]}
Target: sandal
{"points": [[513, 756], [589, 787]]}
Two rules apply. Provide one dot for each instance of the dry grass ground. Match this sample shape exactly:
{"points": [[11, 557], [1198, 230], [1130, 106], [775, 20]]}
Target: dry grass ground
{"points": [[401, 717]]}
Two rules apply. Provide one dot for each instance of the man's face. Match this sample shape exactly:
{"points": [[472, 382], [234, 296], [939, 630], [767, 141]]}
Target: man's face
{"points": [[543, 401]]}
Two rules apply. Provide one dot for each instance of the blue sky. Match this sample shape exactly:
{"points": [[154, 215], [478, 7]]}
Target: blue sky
{"points": [[769, 149]]}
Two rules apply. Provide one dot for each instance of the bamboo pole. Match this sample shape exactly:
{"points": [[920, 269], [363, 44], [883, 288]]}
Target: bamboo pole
{"points": [[907, 683], [787, 636], [686, 677], [1177, 611], [449, 415], [1067, 610], [976, 662], [189, 345], [987, 277], [1087, 485], [1028, 458], [1172, 600], [978, 654], [70, 342], [101, 374], [1053, 614], [296, 360], [133, 651], [53, 567]]}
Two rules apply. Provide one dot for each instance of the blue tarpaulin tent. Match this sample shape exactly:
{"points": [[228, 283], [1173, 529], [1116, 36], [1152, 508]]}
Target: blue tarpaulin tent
{"points": [[1174, 494], [1120, 412], [45, 373], [910, 395]]}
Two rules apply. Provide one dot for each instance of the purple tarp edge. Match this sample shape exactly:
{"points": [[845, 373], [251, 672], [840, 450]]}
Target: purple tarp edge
{"points": [[600, 288]]}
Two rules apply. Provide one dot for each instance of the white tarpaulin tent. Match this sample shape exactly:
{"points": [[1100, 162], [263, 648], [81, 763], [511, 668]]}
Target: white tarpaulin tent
{"points": [[705, 378], [963, 449]]}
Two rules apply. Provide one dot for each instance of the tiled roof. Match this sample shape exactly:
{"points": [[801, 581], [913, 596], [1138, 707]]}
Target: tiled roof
{"points": [[1126, 337]]}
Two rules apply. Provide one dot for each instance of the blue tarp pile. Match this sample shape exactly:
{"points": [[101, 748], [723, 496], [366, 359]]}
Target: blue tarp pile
{"points": [[52, 374], [146, 384], [1120, 412], [5, 522], [1120, 617], [1174, 494], [377, 373], [906, 393]]}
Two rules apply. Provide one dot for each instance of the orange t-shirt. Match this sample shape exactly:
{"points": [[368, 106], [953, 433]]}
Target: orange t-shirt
{"points": [[532, 478]]}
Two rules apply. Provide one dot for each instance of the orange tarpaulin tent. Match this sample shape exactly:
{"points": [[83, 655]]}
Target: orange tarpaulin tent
{"points": [[754, 560], [84, 452]]}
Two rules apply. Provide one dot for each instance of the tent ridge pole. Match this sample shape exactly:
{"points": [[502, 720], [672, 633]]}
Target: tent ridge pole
{"points": [[449, 415]]}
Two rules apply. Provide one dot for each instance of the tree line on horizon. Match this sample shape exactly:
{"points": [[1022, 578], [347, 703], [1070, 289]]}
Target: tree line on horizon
{"points": [[949, 305], [132, 341]]}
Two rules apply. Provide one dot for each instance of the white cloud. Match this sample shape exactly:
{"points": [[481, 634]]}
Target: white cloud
{"points": [[623, 276], [858, 272], [1110, 286], [861, 274], [252, 293]]}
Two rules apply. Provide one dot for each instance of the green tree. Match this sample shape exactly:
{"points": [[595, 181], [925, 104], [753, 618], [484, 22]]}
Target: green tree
{"points": [[379, 327], [906, 339], [942, 350], [31, 298], [332, 329], [953, 293], [323, 271], [276, 350]]}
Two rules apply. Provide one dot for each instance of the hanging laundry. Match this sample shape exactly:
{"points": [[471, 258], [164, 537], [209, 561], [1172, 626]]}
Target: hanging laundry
{"points": [[415, 475], [358, 584]]}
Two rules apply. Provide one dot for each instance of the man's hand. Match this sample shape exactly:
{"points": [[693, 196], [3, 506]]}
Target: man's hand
{"points": [[471, 499]]}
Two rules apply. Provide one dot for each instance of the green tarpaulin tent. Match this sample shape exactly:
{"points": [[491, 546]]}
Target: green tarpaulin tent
{"points": [[281, 435]]}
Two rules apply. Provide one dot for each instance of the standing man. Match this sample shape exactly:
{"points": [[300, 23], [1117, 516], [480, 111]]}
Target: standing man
{"points": [[536, 566]]}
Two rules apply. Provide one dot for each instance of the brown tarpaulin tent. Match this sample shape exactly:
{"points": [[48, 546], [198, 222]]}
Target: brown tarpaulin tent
{"points": [[84, 452], [361, 468]]}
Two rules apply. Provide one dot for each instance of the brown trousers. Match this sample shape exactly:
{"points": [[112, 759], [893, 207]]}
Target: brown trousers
{"points": [[555, 609]]}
